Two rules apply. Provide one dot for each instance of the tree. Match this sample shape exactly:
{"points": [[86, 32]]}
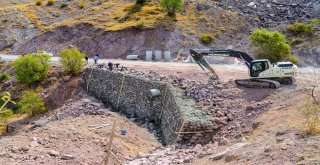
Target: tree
{"points": [[32, 67], [171, 6], [72, 60], [31, 103], [270, 44]]}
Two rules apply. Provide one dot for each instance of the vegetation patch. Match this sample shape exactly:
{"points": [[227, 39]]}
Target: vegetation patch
{"points": [[270, 44], [39, 2], [301, 28], [72, 61], [293, 59], [296, 41], [31, 103], [206, 38], [31, 67], [4, 76], [50, 3], [311, 113]]}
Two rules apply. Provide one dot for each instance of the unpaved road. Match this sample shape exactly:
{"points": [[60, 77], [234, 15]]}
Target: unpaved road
{"points": [[226, 72]]}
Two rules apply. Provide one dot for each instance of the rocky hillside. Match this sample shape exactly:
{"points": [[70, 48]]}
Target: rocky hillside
{"points": [[103, 26]]}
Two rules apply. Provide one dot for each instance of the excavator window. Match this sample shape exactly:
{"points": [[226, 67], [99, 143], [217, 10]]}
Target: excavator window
{"points": [[258, 67]]}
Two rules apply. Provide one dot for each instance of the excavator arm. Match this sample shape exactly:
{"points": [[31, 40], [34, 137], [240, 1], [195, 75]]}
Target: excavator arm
{"points": [[198, 56]]}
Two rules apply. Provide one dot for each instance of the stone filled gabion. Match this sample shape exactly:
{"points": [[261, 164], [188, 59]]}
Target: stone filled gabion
{"points": [[169, 111]]}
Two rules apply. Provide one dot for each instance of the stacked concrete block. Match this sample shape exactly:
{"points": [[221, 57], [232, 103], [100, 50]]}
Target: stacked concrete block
{"points": [[148, 55], [158, 55]]}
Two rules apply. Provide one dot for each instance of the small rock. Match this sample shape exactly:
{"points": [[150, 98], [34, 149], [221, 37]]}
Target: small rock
{"points": [[255, 125], [217, 156], [230, 158], [279, 133], [266, 150], [278, 140], [53, 153], [224, 141], [24, 149], [67, 157], [66, 78]]}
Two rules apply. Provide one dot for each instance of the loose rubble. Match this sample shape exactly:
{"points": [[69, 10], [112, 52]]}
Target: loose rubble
{"points": [[270, 13]]}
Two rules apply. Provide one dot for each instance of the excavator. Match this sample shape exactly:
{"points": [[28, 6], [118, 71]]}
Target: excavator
{"points": [[262, 72]]}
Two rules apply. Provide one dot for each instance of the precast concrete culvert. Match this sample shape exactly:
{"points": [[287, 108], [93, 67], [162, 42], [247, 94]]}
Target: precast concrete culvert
{"points": [[173, 117]]}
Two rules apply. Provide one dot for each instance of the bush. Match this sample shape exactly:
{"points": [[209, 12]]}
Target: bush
{"points": [[81, 5], [31, 103], [301, 28], [63, 5], [314, 21], [72, 60], [293, 59], [39, 2], [206, 38], [270, 44], [4, 76], [50, 3], [5, 115], [140, 24], [171, 6], [311, 112], [31, 67]]}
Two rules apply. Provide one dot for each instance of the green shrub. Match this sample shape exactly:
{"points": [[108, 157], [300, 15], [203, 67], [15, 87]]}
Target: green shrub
{"points": [[206, 38], [63, 5], [5, 115], [301, 28], [171, 6], [140, 24], [270, 44], [31, 103], [293, 59], [39, 2], [4, 76], [314, 21], [31, 67], [50, 3], [72, 60], [81, 5]]}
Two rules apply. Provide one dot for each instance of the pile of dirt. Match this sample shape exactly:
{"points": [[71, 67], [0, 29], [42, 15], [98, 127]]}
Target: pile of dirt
{"points": [[79, 136]]}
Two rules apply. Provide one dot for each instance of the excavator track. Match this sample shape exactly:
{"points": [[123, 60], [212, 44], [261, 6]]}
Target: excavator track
{"points": [[263, 83]]}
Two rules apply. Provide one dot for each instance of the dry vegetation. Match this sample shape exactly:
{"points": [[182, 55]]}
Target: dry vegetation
{"points": [[116, 15]]}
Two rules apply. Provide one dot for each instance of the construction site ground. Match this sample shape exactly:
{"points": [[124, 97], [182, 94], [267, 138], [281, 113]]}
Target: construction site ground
{"points": [[275, 139]]}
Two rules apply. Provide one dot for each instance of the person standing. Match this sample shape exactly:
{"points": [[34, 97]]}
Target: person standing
{"points": [[96, 58], [110, 65]]}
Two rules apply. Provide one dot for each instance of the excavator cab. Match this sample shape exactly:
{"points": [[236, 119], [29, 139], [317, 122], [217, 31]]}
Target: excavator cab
{"points": [[258, 66]]}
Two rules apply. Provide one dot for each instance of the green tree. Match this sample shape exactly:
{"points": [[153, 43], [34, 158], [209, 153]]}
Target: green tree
{"points": [[31, 67], [31, 103], [270, 44], [171, 6], [72, 60]]}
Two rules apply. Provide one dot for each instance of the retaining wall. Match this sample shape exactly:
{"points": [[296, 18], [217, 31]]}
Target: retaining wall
{"points": [[130, 95]]}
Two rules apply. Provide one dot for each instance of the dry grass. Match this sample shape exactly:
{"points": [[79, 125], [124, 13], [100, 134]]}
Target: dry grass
{"points": [[115, 15]]}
